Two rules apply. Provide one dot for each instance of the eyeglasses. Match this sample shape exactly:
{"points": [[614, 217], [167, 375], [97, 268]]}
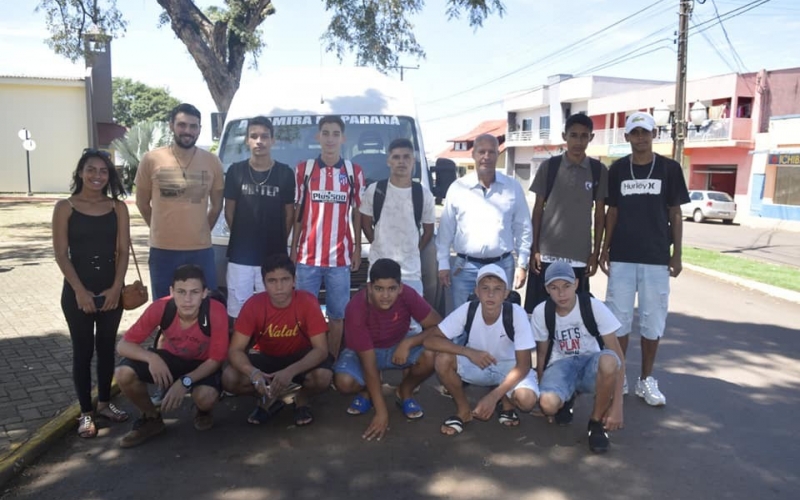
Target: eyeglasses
{"points": [[93, 151]]}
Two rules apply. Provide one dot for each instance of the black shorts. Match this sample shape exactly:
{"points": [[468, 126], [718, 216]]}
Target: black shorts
{"points": [[272, 364], [178, 367]]}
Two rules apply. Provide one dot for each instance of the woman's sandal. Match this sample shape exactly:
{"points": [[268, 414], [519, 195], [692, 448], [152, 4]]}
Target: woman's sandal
{"points": [[112, 413], [86, 427]]}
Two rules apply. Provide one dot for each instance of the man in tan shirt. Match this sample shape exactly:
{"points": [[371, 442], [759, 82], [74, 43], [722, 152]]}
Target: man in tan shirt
{"points": [[179, 194]]}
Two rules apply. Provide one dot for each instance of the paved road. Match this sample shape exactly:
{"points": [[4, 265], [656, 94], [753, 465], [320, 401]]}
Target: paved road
{"points": [[728, 365], [767, 244]]}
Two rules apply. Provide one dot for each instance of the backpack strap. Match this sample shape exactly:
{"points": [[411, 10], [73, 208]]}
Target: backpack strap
{"points": [[596, 167], [471, 310], [348, 166], [167, 317], [508, 319], [306, 177], [550, 322], [587, 316], [204, 317], [553, 165], [417, 199], [378, 199]]}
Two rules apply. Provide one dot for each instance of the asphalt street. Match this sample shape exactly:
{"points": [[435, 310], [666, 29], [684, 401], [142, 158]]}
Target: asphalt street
{"points": [[768, 244], [728, 366]]}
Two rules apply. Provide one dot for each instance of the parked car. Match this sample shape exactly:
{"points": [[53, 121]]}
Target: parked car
{"points": [[709, 205]]}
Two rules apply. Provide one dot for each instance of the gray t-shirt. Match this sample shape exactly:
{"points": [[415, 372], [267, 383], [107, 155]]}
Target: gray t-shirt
{"points": [[566, 231]]}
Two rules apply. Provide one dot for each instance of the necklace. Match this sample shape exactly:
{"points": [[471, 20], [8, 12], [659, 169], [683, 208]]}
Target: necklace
{"points": [[252, 178], [183, 169], [652, 164]]}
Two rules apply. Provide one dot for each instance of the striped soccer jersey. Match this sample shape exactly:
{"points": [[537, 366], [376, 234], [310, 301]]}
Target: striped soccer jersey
{"points": [[325, 233]]}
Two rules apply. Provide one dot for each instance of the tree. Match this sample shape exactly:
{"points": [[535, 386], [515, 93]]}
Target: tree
{"points": [[135, 102], [219, 39], [140, 139]]}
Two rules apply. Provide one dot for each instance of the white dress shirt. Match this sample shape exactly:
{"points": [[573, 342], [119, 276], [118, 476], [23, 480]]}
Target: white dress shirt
{"points": [[484, 223]]}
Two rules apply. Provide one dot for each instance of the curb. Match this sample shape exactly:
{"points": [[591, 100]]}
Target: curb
{"points": [[773, 291], [25, 453]]}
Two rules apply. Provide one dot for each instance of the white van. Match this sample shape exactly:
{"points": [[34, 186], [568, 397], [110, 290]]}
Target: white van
{"points": [[375, 108]]}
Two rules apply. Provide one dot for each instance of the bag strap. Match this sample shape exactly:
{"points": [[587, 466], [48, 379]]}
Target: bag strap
{"points": [[596, 167], [550, 321], [553, 165], [417, 199], [471, 310], [508, 319], [587, 316], [377, 200], [135, 262]]}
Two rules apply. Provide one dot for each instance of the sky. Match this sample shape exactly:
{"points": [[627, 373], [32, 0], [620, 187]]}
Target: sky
{"points": [[467, 72]]}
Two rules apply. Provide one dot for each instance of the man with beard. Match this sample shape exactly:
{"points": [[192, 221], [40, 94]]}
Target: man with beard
{"points": [[174, 185]]}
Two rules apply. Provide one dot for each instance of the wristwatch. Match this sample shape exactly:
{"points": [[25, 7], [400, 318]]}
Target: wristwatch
{"points": [[187, 382]]}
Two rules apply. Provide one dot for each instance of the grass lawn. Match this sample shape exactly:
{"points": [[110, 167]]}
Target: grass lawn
{"points": [[771, 274]]}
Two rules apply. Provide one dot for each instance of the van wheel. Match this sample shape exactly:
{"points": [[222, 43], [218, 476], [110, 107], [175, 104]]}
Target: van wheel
{"points": [[727, 221], [698, 216]]}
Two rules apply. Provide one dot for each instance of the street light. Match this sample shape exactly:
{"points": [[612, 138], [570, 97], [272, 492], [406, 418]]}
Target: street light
{"points": [[661, 115], [28, 145], [697, 114]]}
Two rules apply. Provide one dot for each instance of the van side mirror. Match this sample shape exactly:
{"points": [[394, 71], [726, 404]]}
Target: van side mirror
{"points": [[217, 122], [445, 175]]}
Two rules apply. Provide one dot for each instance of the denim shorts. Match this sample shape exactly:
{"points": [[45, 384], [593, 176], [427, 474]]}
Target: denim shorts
{"points": [[337, 286], [349, 363], [163, 264], [574, 374], [651, 282], [494, 375]]}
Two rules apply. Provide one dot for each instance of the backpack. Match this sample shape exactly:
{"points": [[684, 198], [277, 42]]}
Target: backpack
{"points": [[203, 317], [507, 315], [348, 165], [587, 316], [380, 196], [552, 170]]}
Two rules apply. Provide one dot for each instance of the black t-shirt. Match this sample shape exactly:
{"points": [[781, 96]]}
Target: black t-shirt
{"points": [[259, 221], [642, 234]]}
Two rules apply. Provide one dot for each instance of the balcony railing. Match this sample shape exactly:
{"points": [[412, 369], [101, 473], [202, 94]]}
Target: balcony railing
{"points": [[529, 135], [724, 129]]}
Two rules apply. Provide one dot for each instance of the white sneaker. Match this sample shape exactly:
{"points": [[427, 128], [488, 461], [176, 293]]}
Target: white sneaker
{"points": [[625, 385], [648, 389]]}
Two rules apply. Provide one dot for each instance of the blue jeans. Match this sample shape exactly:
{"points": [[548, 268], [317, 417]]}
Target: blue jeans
{"points": [[350, 364], [574, 374], [337, 286], [463, 275], [163, 264], [651, 282]]}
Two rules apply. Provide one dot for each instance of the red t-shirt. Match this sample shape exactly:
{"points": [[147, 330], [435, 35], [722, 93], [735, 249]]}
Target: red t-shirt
{"points": [[189, 343], [367, 327], [281, 332], [325, 236]]}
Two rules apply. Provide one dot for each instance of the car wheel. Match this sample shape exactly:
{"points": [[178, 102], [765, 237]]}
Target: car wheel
{"points": [[727, 221], [698, 216]]}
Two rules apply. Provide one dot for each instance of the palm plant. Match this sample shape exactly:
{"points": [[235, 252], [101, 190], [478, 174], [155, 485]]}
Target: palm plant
{"points": [[140, 139]]}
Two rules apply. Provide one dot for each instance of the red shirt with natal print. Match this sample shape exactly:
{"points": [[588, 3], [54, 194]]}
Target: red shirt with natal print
{"points": [[189, 343], [281, 331]]}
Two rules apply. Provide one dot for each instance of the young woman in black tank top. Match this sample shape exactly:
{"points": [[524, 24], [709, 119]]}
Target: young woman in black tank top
{"points": [[90, 238]]}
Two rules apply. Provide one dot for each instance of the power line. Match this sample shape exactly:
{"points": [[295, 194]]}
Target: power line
{"points": [[736, 57]]}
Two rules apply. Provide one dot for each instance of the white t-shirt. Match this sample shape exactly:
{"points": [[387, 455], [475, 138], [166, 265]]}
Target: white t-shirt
{"points": [[396, 234], [490, 338], [572, 337]]}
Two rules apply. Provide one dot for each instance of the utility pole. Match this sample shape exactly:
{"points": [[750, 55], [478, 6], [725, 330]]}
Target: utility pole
{"points": [[405, 67], [679, 127]]}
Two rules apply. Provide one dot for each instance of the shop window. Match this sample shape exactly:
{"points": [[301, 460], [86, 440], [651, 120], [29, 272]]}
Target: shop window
{"points": [[787, 186]]}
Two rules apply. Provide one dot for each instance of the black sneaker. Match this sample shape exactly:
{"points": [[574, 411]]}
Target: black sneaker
{"points": [[144, 428], [598, 437], [564, 415]]}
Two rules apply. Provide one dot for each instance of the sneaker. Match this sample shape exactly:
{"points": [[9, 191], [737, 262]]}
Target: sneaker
{"points": [[598, 437], [203, 420], [564, 415], [648, 389], [625, 385], [157, 397], [143, 429]]}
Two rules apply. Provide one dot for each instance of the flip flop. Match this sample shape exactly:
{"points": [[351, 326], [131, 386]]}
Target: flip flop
{"points": [[359, 406], [508, 418], [454, 423], [411, 409], [303, 416], [261, 415]]}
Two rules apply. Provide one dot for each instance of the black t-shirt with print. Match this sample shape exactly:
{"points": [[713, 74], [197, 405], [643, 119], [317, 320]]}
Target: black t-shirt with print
{"points": [[259, 221], [642, 233]]}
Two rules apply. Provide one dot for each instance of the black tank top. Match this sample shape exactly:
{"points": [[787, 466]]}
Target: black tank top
{"points": [[92, 248]]}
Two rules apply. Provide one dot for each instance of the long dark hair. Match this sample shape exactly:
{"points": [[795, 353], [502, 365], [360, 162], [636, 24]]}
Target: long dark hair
{"points": [[114, 181]]}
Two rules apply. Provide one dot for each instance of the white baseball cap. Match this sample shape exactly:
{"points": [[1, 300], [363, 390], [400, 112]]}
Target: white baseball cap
{"points": [[492, 270], [640, 119]]}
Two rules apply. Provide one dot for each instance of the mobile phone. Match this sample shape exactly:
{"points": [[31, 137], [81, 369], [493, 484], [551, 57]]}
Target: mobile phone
{"points": [[99, 300]]}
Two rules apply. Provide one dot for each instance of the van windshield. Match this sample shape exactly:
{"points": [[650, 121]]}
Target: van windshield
{"points": [[367, 141]]}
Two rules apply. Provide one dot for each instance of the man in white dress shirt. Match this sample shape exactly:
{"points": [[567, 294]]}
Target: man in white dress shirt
{"points": [[485, 220]]}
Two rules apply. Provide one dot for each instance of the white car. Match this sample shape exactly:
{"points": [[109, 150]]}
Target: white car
{"points": [[709, 205]]}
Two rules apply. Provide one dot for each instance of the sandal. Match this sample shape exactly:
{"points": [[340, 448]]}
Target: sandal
{"points": [[261, 415], [455, 423], [508, 418], [359, 406], [303, 416], [112, 413], [86, 427], [411, 409]]}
